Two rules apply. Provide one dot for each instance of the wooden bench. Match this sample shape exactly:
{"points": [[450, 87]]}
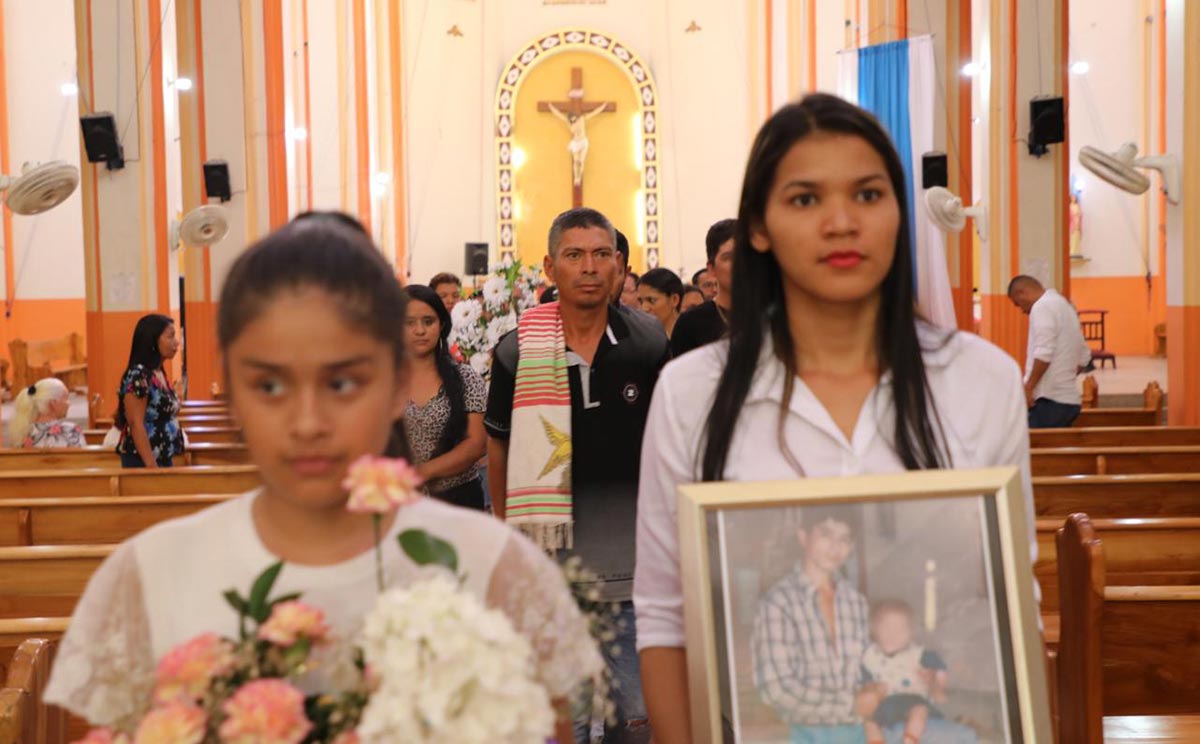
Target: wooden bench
{"points": [[1123, 650], [57, 357], [195, 435], [92, 520], [132, 482], [46, 580], [1118, 496], [199, 453], [1113, 436], [24, 719], [186, 420], [1150, 414], [1115, 460], [1154, 551]]}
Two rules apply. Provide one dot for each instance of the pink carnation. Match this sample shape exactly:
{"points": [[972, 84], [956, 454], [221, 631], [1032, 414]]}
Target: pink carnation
{"points": [[187, 670], [265, 711], [177, 723], [378, 485], [102, 736], [291, 621]]}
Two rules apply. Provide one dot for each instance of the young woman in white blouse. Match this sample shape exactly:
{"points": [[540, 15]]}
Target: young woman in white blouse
{"points": [[827, 370]]}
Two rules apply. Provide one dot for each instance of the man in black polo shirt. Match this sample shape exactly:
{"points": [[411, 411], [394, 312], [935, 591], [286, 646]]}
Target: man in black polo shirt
{"points": [[708, 322], [614, 358]]}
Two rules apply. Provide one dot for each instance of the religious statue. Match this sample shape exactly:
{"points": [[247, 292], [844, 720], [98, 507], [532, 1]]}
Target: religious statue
{"points": [[578, 146]]}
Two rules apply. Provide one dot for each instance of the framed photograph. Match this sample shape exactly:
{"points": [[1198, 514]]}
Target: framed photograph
{"points": [[876, 609]]}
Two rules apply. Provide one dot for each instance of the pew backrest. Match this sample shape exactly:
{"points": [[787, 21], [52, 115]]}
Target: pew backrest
{"points": [[1117, 496], [1115, 436], [1130, 460], [73, 458], [92, 520], [127, 482]]}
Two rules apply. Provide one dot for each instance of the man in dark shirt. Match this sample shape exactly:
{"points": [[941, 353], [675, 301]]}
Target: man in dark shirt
{"points": [[614, 357], [708, 322]]}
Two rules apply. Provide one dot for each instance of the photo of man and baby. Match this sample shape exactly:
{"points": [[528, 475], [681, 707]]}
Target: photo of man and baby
{"points": [[871, 623]]}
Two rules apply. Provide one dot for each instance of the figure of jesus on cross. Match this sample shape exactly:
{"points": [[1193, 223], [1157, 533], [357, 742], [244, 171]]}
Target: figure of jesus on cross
{"points": [[575, 112]]}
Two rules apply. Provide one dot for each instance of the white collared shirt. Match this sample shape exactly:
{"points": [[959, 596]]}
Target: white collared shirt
{"points": [[1056, 338], [975, 386]]}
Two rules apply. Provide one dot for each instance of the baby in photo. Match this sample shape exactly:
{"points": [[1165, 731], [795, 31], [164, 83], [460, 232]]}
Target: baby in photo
{"points": [[912, 676]]}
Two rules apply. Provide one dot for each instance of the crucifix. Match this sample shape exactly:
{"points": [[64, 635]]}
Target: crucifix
{"points": [[575, 112]]}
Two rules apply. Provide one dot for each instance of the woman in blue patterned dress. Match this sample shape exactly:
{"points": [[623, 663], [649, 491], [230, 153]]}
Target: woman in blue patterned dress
{"points": [[147, 407]]}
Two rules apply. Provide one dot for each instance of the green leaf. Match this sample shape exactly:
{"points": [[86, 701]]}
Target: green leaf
{"points": [[424, 549], [236, 602], [259, 610], [281, 600]]}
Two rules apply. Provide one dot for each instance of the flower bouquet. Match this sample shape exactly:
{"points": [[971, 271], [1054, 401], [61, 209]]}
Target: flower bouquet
{"points": [[481, 321], [433, 664]]}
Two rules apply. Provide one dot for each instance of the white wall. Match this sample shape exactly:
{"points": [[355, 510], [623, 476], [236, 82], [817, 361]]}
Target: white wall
{"points": [[43, 125], [1107, 107], [451, 84]]}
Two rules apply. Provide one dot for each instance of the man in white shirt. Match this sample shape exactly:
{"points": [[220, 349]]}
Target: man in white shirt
{"points": [[1057, 353]]}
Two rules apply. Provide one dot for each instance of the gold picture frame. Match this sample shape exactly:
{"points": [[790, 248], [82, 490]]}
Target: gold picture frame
{"points": [[707, 513]]}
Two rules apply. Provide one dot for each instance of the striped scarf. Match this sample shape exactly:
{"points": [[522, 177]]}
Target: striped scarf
{"points": [[539, 453]]}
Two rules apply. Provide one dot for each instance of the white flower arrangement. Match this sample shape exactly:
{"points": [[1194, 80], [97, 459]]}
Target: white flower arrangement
{"points": [[449, 670], [480, 322]]}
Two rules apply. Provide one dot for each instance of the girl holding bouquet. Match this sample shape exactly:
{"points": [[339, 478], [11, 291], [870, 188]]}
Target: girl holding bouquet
{"points": [[315, 366]]}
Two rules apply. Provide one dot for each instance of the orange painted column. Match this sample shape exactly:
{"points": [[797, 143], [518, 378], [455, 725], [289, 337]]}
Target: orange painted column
{"points": [[125, 219], [199, 302], [1025, 194], [1183, 219]]}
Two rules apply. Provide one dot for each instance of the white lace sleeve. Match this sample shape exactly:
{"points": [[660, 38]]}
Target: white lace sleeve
{"points": [[104, 667], [530, 588]]}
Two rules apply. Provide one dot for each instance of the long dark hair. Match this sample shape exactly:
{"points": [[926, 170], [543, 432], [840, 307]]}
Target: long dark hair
{"points": [[452, 382], [665, 281], [757, 296], [322, 250], [143, 350]]}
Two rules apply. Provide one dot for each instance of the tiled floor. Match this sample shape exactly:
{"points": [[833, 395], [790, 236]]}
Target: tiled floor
{"points": [[1131, 375]]}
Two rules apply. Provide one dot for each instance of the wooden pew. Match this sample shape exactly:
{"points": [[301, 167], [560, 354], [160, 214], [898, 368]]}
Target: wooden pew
{"points": [[92, 521], [131, 482], [103, 457], [46, 580], [24, 719], [1113, 436], [1124, 650], [1115, 460], [1154, 551], [1150, 414], [195, 435], [1117, 496]]}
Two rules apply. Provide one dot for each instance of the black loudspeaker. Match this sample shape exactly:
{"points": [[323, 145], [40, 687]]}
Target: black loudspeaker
{"points": [[1047, 124], [934, 170], [216, 180], [100, 140], [475, 259]]}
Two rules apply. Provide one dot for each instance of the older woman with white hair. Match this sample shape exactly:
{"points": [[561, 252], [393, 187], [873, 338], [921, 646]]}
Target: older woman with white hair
{"points": [[39, 418]]}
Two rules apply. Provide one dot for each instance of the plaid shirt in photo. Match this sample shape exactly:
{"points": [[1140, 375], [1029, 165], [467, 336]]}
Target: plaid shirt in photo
{"points": [[797, 668]]}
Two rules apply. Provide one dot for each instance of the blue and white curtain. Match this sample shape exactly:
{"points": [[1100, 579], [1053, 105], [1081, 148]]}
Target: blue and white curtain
{"points": [[897, 83]]}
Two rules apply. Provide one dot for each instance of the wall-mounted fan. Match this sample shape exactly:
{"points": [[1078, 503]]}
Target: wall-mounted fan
{"points": [[39, 187], [1123, 169], [201, 227], [947, 211]]}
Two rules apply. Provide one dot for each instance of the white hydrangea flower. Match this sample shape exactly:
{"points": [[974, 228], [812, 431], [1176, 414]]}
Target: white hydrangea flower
{"points": [[498, 326], [496, 292], [475, 671], [481, 362], [465, 313]]}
